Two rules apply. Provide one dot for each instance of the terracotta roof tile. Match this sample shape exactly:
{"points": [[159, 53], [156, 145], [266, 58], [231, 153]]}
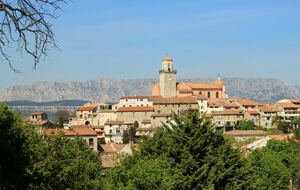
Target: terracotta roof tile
{"points": [[136, 109], [287, 105], [87, 108], [246, 102], [71, 132], [269, 108], [253, 112], [204, 86]]}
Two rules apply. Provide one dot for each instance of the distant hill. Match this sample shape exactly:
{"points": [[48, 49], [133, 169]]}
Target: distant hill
{"points": [[50, 103], [110, 90]]}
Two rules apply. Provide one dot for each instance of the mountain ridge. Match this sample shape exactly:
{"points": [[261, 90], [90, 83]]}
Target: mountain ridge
{"points": [[110, 90]]}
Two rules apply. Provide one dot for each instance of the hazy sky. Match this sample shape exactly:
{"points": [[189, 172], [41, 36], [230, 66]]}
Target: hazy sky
{"points": [[128, 38]]}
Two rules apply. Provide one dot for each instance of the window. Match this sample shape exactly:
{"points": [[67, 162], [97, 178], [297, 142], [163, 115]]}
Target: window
{"points": [[91, 142], [200, 93], [110, 131], [217, 94], [208, 94], [118, 131]]}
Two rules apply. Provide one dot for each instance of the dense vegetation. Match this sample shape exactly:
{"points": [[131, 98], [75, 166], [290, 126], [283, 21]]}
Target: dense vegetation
{"points": [[188, 155], [32, 161]]}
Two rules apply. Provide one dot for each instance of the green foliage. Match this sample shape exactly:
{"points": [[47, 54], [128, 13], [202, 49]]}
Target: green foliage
{"points": [[296, 133], [195, 156], [60, 163], [275, 165], [144, 173], [129, 133], [14, 156], [284, 126], [296, 121], [32, 161], [61, 116], [246, 125]]}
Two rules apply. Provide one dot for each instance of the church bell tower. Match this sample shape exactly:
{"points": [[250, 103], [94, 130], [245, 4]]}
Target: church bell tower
{"points": [[167, 78]]}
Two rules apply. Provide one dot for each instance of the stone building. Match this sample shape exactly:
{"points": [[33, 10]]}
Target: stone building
{"points": [[169, 87]]}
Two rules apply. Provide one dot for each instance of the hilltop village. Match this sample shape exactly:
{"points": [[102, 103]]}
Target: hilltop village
{"points": [[108, 123]]}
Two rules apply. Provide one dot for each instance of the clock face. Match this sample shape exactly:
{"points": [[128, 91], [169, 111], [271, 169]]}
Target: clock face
{"points": [[170, 78]]}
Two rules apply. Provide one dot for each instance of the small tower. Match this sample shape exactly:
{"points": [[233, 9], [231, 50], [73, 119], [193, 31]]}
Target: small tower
{"points": [[167, 78]]}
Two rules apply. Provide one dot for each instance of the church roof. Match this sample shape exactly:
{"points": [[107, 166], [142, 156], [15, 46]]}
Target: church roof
{"points": [[204, 85]]}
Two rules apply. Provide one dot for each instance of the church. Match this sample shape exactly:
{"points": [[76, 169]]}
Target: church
{"points": [[169, 87]]}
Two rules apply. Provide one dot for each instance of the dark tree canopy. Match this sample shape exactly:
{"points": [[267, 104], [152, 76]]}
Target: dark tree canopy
{"points": [[26, 25], [187, 155], [30, 160]]}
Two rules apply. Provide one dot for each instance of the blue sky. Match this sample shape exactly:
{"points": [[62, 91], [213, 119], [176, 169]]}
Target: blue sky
{"points": [[128, 38]]}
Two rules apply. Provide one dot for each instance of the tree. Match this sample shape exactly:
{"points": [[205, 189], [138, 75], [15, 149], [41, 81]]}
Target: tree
{"points": [[198, 157], [246, 125], [275, 165], [284, 126], [32, 161], [26, 25], [14, 156], [61, 116], [61, 163], [129, 133]]}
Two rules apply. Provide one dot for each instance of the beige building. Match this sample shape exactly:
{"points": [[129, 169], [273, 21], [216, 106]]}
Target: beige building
{"points": [[268, 112], [114, 130], [132, 114], [227, 119], [134, 101]]}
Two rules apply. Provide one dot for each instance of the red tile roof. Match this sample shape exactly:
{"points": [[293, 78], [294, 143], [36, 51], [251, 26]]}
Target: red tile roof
{"points": [[269, 108], [87, 108], [211, 86], [246, 102], [71, 132], [288, 105], [136, 109], [253, 112]]}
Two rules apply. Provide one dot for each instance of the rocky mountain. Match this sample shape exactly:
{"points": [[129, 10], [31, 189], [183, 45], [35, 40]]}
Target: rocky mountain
{"points": [[109, 90]]}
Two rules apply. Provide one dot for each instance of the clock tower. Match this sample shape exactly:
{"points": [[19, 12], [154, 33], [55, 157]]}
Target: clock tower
{"points": [[167, 78]]}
